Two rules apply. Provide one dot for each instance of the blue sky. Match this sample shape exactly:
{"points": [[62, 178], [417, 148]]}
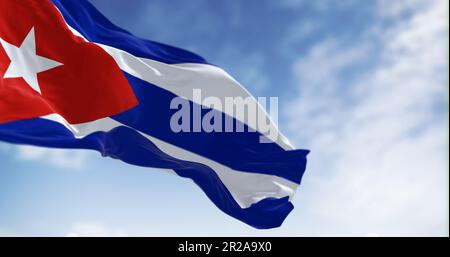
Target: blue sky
{"points": [[363, 84]]}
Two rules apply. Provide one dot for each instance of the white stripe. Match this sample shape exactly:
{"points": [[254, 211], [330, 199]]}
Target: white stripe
{"points": [[246, 188], [182, 79]]}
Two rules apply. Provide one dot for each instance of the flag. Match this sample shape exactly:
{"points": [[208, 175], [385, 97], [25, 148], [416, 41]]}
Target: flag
{"points": [[69, 78]]}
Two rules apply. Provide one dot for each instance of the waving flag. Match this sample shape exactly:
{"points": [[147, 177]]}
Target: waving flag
{"points": [[69, 78]]}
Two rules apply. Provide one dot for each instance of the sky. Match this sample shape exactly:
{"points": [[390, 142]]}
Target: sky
{"points": [[362, 84]]}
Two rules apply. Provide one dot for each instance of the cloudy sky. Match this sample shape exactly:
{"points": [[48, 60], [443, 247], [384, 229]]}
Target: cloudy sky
{"points": [[362, 84]]}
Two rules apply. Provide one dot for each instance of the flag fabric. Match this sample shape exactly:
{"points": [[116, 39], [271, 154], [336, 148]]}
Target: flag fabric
{"points": [[69, 78]]}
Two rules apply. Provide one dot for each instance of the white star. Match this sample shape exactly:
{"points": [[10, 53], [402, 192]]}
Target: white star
{"points": [[25, 62]]}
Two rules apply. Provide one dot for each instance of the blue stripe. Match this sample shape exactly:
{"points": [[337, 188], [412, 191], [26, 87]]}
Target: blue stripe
{"points": [[238, 150], [129, 146], [82, 16]]}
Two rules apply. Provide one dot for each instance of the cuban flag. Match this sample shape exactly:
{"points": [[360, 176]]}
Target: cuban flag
{"points": [[69, 78]]}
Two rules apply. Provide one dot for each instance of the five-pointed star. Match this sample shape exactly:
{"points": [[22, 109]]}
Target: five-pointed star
{"points": [[25, 62]]}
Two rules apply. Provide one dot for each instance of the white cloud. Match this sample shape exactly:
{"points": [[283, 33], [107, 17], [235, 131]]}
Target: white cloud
{"points": [[92, 230], [64, 158], [395, 9], [379, 141]]}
